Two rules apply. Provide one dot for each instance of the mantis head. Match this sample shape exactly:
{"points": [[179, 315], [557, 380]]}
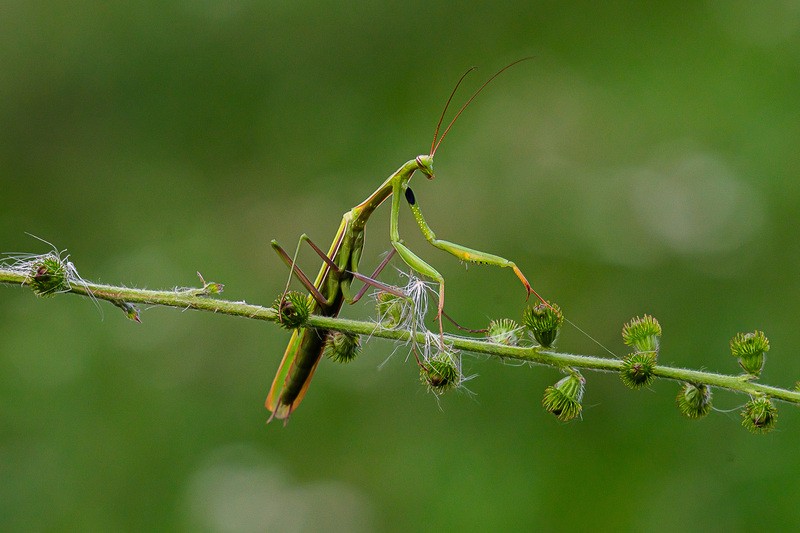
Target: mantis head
{"points": [[425, 165]]}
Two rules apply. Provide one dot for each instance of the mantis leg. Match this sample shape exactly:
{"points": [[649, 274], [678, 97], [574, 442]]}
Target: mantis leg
{"points": [[412, 259], [463, 328], [291, 262], [462, 252], [420, 266], [371, 281], [306, 282]]}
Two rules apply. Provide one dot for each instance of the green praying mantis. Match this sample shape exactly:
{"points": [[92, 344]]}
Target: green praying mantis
{"points": [[332, 286]]}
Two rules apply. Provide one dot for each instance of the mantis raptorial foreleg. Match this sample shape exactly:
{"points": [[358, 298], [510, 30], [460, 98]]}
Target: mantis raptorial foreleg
{"points": [[462, 252], [420, 266]]}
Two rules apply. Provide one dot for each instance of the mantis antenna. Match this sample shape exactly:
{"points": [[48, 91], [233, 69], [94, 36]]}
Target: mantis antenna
{"points": [[435, 144], [446, 105]]}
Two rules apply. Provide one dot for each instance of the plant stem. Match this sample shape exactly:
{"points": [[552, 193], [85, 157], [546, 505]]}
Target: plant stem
{"points": [[199, 298]]}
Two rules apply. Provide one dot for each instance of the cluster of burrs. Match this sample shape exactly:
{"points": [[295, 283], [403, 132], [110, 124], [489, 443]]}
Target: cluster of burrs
{"points": [[759, 414], [440, 368]]}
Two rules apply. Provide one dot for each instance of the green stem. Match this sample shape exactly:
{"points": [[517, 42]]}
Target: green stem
{"points": [[198, 298]]}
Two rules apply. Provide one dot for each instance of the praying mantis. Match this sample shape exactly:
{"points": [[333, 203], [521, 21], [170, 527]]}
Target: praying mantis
{"points": [[332, 286]]}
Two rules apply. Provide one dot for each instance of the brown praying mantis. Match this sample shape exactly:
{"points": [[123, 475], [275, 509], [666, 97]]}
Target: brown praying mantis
{"points": [[332, 286]]}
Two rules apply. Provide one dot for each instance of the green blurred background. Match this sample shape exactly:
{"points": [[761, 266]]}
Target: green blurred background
{"points": [[645, 162]]}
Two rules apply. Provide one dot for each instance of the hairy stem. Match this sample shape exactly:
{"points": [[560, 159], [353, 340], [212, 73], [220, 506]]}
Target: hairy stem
{"points": [[199, 298]]}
